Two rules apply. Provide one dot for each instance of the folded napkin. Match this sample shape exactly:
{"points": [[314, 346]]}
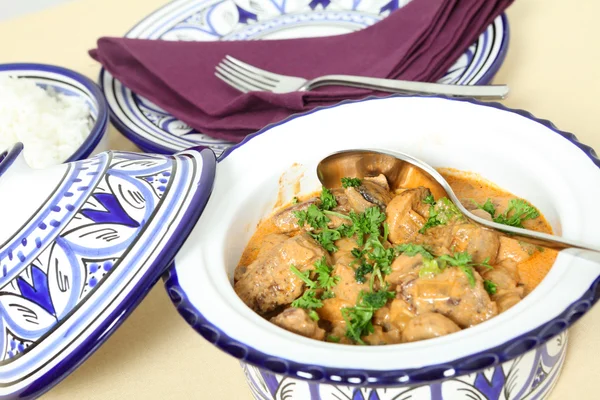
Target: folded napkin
{"points": [[420, 42]]}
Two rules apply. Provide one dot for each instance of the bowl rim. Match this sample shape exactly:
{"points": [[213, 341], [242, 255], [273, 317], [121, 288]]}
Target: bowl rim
{"points": [[415, 376], [146, 144], [100, 125]]}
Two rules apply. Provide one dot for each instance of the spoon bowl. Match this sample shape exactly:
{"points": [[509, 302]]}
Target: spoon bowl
{"points": [[403, 170]]}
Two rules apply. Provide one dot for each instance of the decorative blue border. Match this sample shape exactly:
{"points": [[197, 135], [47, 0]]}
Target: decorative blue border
{"points": [[101, 123], [152, 147], [9, 156], [162, 261], [466, 365]]}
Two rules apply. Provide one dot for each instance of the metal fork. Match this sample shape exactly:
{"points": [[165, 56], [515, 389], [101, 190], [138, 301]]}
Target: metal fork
{"points": [[248, 78]]}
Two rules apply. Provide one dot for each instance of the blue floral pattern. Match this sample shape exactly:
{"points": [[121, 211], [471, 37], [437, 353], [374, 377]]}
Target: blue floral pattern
{"points": [[77, 239], [531, 375]]}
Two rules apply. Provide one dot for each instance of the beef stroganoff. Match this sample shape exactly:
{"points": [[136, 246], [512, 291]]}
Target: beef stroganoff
{"points": [[362, 264]]}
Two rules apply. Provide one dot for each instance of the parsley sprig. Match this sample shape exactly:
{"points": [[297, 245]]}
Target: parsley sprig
{"points": [[310, 299], [440, 212], [358, 318], [490, 287], [518, 210], [350, 182]]}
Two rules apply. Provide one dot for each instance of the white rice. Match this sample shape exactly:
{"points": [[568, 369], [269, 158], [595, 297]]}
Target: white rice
{"points": [[51, 125]]}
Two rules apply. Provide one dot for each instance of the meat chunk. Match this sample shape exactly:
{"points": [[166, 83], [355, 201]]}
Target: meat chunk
{"points": [[508, 293], [380, 180], [427, 326], [368, 194], [451, 294], [481, 243], [269, 283], [298, 321], [286, 221], [406, 215], [380, 337], [267, 243], [511, 249], [404, 268], [394, 316], [347, 287]]}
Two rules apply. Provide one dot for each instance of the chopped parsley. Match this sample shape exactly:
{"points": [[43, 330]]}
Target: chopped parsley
{"points": [[324, 278], [361, 271], [518, 210], [440, 213], [313, 315], [295, 200], [332, 338], [358, 318], [469, 272], [325, 281], [412, 250], [488, 207], [328, 201], [312, 216], [308, 300], [490, 287], [463, 261], [429, 200], [326, 238], [350, 182]]}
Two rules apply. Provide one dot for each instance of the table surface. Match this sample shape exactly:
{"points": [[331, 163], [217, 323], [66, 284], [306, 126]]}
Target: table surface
{"points": [[552, 69]]}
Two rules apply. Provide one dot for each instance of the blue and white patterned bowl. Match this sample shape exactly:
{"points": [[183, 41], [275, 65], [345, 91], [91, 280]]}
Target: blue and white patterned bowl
{"points": [[70, 83], [81, 244], [515, 355], [155, 130]]}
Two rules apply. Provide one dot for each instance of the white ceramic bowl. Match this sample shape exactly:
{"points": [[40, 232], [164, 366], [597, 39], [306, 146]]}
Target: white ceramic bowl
{"points": [[517, 354], [70, 83]]}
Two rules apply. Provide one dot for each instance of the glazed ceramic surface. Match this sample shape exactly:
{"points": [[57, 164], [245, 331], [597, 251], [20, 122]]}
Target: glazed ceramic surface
{"points": [[80, 245], [154, 130], [461, 134], [532, 376], [70, 83]]}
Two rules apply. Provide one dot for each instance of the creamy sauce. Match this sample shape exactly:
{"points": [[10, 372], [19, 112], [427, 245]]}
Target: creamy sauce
{"points": [[422, 308]]}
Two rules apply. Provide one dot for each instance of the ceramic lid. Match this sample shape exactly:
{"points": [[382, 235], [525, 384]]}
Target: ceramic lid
{"points": [[80, 245]]}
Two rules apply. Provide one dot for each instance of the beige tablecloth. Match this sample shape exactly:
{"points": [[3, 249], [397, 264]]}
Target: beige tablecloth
{"points": [[552, 67]]}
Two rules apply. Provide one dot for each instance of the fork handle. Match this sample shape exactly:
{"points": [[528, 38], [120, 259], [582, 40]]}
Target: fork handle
{"points": [[397, 86]]}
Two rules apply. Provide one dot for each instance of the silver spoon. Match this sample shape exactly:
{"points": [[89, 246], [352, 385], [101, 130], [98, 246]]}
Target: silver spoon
{"points": [[399, 168]]}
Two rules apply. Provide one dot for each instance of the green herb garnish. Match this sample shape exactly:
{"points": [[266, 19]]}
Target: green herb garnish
{"points": [[429, 200], [358, 318], [440, 213], [412, 250], [326, 238], [324, 278], [328, 201], [490, 287], [350, 182], [518, 210], [312, 216]]}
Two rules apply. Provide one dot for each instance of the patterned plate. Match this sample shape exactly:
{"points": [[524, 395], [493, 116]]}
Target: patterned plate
{"points": [[155, 130], [81, 243]]}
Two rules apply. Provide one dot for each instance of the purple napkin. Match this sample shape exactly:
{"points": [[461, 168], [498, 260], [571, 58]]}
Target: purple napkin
{"points": [[420, 41]]}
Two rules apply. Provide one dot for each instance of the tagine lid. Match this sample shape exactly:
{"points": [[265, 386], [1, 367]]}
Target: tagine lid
{"points": [[80, 245]]}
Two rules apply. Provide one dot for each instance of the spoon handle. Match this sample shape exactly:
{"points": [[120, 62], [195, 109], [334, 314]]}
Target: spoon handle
{"points": [[525, 235]]}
